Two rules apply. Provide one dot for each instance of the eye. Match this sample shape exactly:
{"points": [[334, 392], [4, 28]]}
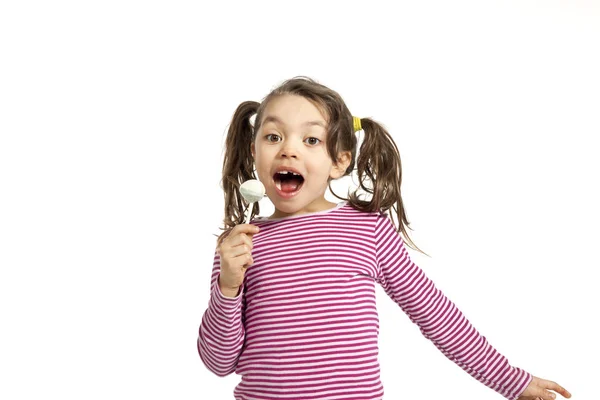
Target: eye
{"points": [[314, 143], [269, 135]]}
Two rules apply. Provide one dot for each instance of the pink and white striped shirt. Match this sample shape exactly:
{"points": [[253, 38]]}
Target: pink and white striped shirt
{"points": [[305, 324]]}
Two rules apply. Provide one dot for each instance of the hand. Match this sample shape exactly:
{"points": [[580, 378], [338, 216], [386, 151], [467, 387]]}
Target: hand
{"points": [[538, 390], [235, 251]]}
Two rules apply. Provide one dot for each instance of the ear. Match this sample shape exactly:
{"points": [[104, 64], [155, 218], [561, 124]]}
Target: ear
{"points": [[339, 169]]}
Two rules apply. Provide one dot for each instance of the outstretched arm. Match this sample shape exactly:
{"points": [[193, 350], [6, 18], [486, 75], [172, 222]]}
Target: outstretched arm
{"points": [[439, 319]]}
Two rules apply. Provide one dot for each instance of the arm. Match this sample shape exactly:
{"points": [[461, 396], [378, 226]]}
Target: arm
{"points": [[221, 334], [439, 319]]}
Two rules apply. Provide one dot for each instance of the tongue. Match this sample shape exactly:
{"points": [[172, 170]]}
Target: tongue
{"points": [[289, 186]]}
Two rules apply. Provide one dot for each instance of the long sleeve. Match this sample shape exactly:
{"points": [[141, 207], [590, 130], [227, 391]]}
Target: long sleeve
{"points": [[439, 319], [221, 333]]}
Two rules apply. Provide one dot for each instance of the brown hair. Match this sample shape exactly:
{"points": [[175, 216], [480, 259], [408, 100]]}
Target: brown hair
{"points": [[378, 160]]}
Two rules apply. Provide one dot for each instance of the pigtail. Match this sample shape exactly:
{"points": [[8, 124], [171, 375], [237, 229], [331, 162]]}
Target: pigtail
{"points": [[379, 171], [238, 166]]}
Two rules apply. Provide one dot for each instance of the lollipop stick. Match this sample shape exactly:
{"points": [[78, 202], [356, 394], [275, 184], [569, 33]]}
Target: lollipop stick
{"points": [[250, 208]]}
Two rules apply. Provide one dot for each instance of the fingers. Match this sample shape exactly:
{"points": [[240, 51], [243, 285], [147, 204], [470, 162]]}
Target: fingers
{"points": [[556, 387], [239, 250], [240, 234], [245, 228], [239, 244], [237, 240], [228, 250], [243, 260], [543, 392], [246, 260], [244, 231]]}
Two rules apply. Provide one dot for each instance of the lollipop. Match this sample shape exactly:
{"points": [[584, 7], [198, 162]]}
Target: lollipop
{"points": [[252, 191]]}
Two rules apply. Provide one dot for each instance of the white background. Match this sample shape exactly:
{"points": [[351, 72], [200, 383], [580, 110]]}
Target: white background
{"points": [[113, 116]]}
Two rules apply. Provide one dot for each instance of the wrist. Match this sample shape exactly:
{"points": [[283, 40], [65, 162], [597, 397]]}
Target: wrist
{"points": [[229, 292]]}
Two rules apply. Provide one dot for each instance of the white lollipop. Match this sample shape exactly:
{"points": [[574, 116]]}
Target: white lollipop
{"points": [[252, 191]]}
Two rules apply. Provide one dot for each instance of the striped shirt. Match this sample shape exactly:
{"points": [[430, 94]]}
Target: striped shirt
{"points": [[305, 324]]}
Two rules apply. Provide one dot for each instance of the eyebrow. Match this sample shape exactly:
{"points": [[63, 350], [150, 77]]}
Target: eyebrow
{"points": [[272, 118]]}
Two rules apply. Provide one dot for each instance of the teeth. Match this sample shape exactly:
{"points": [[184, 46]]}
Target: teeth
{"points": [[278, 183]]}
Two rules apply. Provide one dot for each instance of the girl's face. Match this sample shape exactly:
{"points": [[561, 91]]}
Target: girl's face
{"points": [[293, 137]]}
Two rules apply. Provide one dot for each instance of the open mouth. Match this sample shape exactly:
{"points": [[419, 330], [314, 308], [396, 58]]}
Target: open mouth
{"points": [[287, 181]]}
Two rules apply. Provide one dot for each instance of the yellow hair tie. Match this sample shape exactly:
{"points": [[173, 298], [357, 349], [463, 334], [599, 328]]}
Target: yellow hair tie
{"points": [[357, 126]]}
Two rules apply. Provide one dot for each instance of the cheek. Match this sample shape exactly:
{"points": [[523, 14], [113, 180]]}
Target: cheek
{"points": [[261, 169]]}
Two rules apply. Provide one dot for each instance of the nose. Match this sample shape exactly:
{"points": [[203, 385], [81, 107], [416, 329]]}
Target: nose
{"points": [[289, 150]]}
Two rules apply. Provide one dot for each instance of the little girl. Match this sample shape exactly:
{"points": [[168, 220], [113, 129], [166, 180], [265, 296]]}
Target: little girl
{"points": [[292, 300]]}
